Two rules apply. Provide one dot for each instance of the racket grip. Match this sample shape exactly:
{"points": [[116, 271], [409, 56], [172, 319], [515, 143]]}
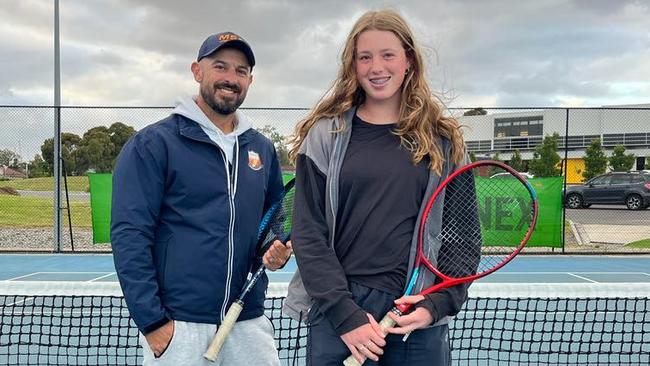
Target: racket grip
{"points": [[385, 323], [223, 331]]}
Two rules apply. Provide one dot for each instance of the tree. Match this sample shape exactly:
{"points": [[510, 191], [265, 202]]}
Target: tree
{"points": [[496, 157], [47, 153], [595, 160], [472, 156], [619, 161], [7, 157], [475, 112], [495, 170], [546, 159], [96, 151], [278, 141], [15, 164], [120, 134], [69, 145], [516, 162], [38, 167]]}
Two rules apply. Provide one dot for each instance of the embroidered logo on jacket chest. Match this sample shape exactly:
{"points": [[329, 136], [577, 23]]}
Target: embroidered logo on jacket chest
{"points": [[254, 160]]}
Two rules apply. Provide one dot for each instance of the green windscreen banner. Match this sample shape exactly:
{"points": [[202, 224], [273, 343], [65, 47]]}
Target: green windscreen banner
{"points": [[548, 232], [287, 176], [501, 228], [101, 189]]}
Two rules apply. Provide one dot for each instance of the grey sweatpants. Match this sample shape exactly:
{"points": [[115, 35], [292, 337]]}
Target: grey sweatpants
{"points": [[250, 343]]}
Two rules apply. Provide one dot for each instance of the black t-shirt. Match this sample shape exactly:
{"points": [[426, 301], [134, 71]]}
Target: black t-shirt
{"points": [[380, 193]]}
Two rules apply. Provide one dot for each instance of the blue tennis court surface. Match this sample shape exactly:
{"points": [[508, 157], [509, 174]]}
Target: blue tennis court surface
{"points": [[524, 269], [538, 310]]}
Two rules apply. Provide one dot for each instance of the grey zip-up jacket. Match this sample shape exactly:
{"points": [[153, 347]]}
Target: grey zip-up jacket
{"points": [[321, 277]]}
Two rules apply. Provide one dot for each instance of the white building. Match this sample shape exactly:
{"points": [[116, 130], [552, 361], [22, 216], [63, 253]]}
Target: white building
{"points": [[506, 130]]}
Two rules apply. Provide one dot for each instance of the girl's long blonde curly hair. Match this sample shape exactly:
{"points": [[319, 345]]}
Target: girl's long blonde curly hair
{"points": [[421, 115]]}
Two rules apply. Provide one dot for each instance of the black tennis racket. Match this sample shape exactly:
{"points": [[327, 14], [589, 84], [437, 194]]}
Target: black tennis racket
{"points": [[276, 225], [488, 215]]}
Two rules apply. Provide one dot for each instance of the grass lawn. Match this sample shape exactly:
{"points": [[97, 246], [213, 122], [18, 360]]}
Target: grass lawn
{"points": [[31, 212], [17, 211], [645, 243], [75, 184]]}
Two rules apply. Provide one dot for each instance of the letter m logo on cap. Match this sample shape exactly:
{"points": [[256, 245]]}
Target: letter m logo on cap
{"points": [[228, 37]]}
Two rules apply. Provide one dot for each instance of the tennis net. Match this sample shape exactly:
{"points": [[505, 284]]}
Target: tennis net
{"points": [[73, 323]]}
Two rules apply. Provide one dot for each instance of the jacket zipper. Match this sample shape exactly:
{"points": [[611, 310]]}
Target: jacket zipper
{"points": [[232, 190]]}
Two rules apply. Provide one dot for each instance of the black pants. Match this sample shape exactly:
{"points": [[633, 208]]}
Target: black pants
{"points": [[424, 347]]}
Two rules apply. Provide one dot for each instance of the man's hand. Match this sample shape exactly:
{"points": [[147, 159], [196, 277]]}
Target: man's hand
{"points": [[160, 338], [365, 341], [277, 255], [417, 319]]}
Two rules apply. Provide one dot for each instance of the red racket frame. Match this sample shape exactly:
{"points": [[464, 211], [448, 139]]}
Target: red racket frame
{"points": [[447, 281]]}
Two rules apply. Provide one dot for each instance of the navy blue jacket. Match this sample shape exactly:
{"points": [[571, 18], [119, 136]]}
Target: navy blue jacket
{"points": [[182, 244]]}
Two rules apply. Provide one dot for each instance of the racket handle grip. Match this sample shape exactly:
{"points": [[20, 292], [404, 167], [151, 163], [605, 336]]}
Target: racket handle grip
{"points": [[385, 323], [223, 331]]}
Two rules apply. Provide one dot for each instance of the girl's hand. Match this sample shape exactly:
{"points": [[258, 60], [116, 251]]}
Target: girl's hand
{"points": [[365, 341], [417, 319]]}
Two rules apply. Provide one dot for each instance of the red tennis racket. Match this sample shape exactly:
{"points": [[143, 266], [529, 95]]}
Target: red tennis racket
{"points": [[488, 215]]}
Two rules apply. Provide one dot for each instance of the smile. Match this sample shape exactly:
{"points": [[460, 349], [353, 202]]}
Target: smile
{"points": [[227, 91], [227, 88], [380, 81]]}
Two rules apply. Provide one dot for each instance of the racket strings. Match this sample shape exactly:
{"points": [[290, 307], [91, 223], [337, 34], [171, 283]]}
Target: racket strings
{"points": [[461, 232], [279, 222], [506, 214], [484, 221]]}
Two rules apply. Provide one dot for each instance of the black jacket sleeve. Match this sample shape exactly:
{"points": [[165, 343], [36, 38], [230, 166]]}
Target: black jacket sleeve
{"points": [[322, 273]]}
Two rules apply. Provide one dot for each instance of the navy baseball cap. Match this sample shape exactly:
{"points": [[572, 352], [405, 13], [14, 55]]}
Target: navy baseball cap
{"points": [[225, 40]]}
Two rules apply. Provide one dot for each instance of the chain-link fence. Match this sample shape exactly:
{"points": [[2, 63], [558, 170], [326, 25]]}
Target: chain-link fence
{"points": [[601, 156], [607, 215]]}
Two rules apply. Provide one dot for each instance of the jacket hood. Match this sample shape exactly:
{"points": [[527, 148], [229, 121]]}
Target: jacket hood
{"points": [[186, 106]]}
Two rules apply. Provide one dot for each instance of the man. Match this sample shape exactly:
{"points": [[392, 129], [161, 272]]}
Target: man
{"points": [[188, 195]]}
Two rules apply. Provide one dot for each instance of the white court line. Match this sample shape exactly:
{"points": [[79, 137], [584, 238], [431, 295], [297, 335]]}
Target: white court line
{"points": [[47, 273], [584, 278], [617, 273], [100, 277], [604, 273], [75, 272], [27, 275]]}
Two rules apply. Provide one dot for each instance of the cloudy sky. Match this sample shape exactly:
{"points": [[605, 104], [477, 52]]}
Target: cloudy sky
{"points": [[487, 53]]}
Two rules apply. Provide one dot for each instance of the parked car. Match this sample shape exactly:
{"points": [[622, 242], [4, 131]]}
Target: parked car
{"points": [[631, 189], [506, 175]]}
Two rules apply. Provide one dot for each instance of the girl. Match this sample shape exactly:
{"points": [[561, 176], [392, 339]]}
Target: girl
{"points": [[367, 158]]}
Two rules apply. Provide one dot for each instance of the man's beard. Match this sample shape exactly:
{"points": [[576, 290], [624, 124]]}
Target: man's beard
{"points": [[222, 107]]}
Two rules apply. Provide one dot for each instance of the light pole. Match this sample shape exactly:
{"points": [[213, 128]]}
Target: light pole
{"points": [[57, 132]]}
